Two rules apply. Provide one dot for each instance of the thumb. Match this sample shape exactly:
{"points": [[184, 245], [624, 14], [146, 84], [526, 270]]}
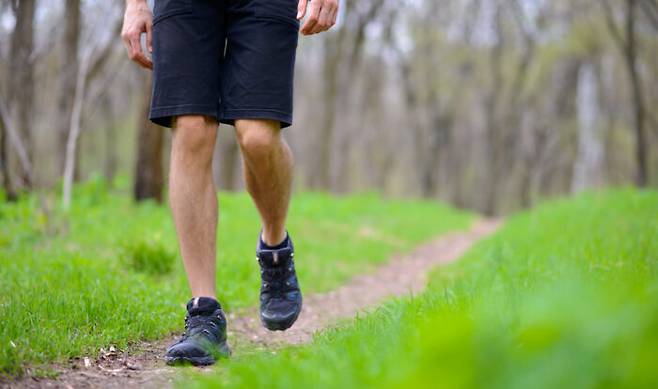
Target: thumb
{"points": [[301, 9]]}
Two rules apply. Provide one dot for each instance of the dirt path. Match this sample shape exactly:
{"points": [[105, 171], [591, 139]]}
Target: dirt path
{"points": [[144, 367]]}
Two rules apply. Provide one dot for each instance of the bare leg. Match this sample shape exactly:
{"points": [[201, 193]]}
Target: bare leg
{"points": [[193, 199], [268, 168]]}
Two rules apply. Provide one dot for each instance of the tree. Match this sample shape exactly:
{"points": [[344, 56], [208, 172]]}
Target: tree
{"points": [[92, 64], [226, 162], [626, 40], [68, 73], [149, 173], [7, 130], [21, 81], [7, 184], [343, 51]]}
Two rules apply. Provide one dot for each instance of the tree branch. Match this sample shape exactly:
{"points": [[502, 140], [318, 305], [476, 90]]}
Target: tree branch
{"points": [[650, 8], [15, 140], [609, 14]]}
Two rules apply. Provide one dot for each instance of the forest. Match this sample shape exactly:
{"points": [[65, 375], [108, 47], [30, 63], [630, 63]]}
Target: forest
{"points": [[489, 105], [474, 204]]}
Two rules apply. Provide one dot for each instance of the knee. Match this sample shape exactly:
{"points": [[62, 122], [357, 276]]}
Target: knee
{"points": [[195, 135], [257, 138]]}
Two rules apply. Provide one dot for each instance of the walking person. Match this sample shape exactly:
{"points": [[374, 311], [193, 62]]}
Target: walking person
{"points": [[226, 61]]}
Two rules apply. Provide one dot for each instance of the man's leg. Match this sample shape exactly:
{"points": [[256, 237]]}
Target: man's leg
{"points": [[193, 199], [268, 168]]}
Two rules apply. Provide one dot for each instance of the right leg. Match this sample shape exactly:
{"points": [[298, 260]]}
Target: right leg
{"points": [[188, 42], [193, 199]]}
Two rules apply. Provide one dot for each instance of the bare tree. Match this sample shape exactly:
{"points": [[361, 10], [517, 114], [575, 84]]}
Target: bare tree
{"points": [[7, 127], [68, 74], [75, 128], [626, 39], [589, 159], [110, 129], [342, 53], [7, 184], [650, 10], [91, 66], [226, 162], [21, 68], [149, 173]]}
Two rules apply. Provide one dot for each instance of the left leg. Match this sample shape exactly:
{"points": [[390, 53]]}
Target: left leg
{"points": [[267, 162], [268, 169], [256, 96]]}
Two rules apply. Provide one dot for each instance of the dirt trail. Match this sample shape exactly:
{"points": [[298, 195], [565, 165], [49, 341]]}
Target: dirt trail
{"points": [[144, 367]]}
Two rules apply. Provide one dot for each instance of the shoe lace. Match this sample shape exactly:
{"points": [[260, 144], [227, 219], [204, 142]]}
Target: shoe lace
{"points": [[198, 323], [275, 279]]}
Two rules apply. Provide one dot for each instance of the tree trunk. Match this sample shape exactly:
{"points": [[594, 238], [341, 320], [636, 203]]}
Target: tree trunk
{"points": [[149, 172], [111, 158], [21, 80], [354, 25], [589, 158], [641, 148], [75, 130], [7, 184], [226, 162], [627, 43], [69, 68], [493, 140], [321, 177], [10, 132]]}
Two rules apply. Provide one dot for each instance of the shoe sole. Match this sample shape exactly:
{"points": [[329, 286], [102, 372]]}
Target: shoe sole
{"points": [[224, 352], [182, 361], [282, 325]]}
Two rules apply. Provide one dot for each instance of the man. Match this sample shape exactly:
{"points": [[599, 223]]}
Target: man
{"points": [[228, 61]]}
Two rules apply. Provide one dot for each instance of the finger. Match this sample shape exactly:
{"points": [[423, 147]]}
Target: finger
{"points": [[301, 9], [125, 38], [320, 25], [137, 54], [144, 61], [324, 22], [139, 60], [312, 18], [149, 37], [135, 48], [140, 57], [334, 14]]}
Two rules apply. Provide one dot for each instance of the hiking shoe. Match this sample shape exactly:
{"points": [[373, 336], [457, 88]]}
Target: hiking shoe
{"points": [[204, 339], [280, 297]]}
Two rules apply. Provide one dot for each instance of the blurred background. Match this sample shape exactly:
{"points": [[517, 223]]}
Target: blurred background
{"points": [[486, 104]]}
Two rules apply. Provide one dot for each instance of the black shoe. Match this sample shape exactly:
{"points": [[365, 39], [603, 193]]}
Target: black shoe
{"points": [[204, 339], [280, 297]]}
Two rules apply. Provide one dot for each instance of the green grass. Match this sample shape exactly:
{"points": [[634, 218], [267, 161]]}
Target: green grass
{"points": [[108, 271], [565, 295]]}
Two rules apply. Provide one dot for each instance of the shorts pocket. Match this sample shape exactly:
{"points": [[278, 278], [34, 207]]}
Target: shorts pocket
{"points": [[163, 9]]}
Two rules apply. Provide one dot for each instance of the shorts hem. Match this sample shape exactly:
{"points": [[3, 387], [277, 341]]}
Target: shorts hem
{"points": [[229, 116], [163, 116]]}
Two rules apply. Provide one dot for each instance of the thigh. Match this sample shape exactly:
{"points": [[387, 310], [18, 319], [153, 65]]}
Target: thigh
{"points": [[188, 43], [258, 68]]}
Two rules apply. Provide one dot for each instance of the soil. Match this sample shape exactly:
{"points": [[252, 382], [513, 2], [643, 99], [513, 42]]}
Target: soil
{"points": [[143, 366]]}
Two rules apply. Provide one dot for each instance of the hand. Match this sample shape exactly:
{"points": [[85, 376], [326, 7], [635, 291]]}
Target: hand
{"points": [[321, 15], [137, 20]]}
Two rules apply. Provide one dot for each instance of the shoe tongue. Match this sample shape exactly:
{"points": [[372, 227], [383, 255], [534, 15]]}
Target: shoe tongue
{"points": [[202, 306], [274, 258]]}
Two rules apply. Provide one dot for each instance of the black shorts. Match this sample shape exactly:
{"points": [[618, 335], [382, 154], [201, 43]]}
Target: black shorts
{"points": [[229, 59]]}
